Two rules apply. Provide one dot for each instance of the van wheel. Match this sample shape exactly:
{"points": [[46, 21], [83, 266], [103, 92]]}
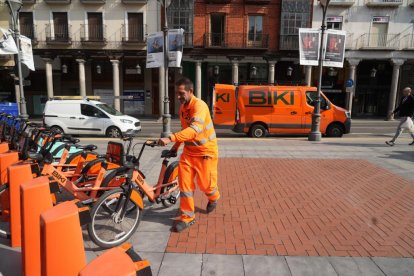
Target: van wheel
{"points": [[56, 129], [335, 130], [113, 132], [258, 131]]}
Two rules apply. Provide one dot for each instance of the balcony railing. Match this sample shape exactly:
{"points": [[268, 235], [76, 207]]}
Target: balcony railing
{"points": [[93, 1], [408, 41], [218, 1], [257, 2], [134, 1], [188, 40], [93, 33], [58, 34], [343, 3], [349, 42], [29, 30], [133, 34], [383, 3], [232, 40], [289, 42], [379, 41], [57, 1]]}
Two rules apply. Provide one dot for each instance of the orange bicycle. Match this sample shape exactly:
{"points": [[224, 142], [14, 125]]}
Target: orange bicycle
{"points": [[112, 221]]}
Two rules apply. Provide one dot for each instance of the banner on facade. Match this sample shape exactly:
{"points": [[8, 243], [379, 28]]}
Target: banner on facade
{"points": [[309, 41], [334, 48], [155, 50], [27, 54], [7, 44], [175, 47]]}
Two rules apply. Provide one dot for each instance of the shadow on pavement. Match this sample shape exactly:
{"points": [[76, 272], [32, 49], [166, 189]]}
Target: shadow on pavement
{"points": [[400, 155]]}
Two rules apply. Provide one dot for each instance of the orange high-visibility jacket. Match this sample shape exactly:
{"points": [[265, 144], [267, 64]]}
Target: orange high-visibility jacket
{"points": [[197, 131]]}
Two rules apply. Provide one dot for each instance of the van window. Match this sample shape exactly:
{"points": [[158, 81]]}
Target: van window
{"points": [[91, 111], [109, 109], [311, 97]]}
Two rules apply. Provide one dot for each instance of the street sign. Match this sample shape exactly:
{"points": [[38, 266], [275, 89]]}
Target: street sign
{"points": [[349, 83]]}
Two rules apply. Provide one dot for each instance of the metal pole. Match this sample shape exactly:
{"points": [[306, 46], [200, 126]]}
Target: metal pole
{"points": [[315, 134], [16, 29], [166, 117]]}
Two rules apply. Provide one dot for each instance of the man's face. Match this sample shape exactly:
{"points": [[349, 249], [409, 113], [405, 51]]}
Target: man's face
{"points": [[183, 95], [406, 92]]}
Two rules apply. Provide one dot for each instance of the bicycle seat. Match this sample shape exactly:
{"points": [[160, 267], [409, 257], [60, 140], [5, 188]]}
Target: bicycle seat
{"points": [[35, 156], [168, 154], [87, 147]]}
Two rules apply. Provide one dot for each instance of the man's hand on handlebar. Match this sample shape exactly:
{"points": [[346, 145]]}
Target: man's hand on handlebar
{"points": [[164, 141]]}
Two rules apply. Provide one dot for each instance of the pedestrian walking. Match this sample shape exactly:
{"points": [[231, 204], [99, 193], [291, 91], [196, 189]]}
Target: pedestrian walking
{"points": [[200, 155], [405, 111]]}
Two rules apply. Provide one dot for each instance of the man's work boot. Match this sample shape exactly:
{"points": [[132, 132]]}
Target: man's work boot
{"points": [[390, 143], [211, 206], [182, 225]]}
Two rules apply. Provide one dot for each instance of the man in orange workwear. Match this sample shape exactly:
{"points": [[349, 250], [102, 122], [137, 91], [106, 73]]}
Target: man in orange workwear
{"points": [[200, 154]]}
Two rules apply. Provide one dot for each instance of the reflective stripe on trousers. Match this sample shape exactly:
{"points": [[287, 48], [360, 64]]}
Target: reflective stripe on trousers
{"points": [[204, 171]]}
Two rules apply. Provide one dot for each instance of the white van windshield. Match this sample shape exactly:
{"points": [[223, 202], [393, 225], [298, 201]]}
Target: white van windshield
{"points": [[109, 109]]}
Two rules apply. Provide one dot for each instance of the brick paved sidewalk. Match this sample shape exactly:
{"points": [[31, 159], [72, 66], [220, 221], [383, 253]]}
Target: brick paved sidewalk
{"points": [[304, 208]]}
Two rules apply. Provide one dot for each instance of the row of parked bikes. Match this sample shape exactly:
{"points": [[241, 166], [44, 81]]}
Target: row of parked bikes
{"points": [[111, 184]]}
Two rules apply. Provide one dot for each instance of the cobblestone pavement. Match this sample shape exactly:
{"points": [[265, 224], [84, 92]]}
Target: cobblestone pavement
{"points": [[304, 208], [339, 197]]}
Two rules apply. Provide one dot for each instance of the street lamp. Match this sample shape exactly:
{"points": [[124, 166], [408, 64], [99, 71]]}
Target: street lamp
{"points": [[315, 134], [373, 72], [98, 69], [15, 6], [166, 117], [138, 67], [289, 71], [64, 69]]}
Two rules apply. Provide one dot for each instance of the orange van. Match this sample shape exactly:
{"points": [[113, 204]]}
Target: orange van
{"points": [[259, 110]]}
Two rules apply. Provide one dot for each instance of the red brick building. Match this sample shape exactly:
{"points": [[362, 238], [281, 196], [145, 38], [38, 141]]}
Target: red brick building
{"points": [[245, 41]]}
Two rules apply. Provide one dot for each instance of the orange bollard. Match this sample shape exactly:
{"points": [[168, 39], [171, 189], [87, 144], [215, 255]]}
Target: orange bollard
{"points": [[18, 174], [6, 159], [35, 199], [4, 147], [61, 241]]}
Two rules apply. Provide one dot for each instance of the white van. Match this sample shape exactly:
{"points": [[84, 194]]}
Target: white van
{"points": [[88, 117]]}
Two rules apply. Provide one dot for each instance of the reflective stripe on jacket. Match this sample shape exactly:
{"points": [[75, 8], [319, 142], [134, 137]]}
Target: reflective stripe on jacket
{"points": [[197, 132]]}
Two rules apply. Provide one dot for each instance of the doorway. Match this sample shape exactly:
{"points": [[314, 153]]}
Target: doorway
{"points": [[217, 27]]}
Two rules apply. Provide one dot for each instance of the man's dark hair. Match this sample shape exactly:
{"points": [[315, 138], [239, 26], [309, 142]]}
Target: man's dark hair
{"points": [[188, 84]]}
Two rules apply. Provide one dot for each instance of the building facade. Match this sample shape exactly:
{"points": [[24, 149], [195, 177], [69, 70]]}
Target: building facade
{"points": [[379, 55], [89, 47]]}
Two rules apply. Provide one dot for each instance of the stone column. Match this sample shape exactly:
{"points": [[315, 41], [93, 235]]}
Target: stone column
{"points": [[161, 84], [198, 79], [353, 63], [235, 71], [271, 75], [82, 79], [308, 75], [115, 81], [394, 85], [49, 77]]}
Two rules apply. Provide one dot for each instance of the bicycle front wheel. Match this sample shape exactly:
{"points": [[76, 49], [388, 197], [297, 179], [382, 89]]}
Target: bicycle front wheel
{"points": [[109, 228]]}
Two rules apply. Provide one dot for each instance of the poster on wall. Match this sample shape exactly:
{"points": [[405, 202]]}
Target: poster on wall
{"points": [[155, 50], [334, 48], [175, 47], [106, 96], [309, 41], [135, 104]]}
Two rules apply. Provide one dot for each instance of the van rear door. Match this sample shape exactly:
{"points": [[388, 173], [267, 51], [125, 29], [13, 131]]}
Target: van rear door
{"points": [[223, 106], [286, 116]]}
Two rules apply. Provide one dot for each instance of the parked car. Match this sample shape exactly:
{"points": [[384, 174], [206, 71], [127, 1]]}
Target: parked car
{"points": [[88, 117]]}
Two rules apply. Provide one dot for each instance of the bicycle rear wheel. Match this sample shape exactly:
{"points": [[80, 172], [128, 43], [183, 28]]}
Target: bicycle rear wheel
{"points": [[171, 174], [107, 228]]}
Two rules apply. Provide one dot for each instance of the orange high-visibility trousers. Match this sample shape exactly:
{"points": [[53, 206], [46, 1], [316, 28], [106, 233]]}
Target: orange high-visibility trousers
{"points": [[204, 170]]}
